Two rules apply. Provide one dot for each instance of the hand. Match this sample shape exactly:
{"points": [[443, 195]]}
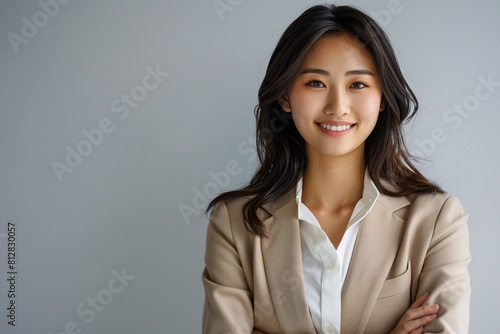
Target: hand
{"points": [[416, 317]]}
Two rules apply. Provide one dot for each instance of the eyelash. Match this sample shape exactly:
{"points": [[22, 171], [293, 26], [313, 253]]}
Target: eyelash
{"points": [[313, 83], [360, 83]]}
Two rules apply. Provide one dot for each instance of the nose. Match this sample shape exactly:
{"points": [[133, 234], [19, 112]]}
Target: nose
{"points": [[337, 103]]}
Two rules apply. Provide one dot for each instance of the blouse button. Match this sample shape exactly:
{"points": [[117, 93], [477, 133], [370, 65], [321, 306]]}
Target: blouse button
{"points": [[331, 265], [330, 329]]}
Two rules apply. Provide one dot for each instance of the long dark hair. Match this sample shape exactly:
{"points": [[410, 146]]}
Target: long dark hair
{"points": [[281, 149]]}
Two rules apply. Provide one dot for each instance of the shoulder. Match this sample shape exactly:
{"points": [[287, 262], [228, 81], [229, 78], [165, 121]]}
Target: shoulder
{"points": [[429, 213], [423, 203], [230, 215], [233, 209], [440, 205], [227, 218], [230, 210]]}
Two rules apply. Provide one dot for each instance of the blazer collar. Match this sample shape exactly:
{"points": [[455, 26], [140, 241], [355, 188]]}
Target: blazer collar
{"points": [[376, 248], [274, 207], [283, 265]]}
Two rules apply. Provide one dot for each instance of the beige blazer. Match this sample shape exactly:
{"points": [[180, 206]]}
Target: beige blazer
{"points": [[406, 246]]}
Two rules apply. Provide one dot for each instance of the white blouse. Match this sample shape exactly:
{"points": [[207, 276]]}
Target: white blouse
{"points": [[325, 267]]}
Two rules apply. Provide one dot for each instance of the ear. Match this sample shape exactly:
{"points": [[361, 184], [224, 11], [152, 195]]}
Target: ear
{"points": [[383, 104], [285, 104]]}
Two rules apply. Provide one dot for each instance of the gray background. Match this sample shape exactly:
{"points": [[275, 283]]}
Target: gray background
{"points": [[120, 208]]}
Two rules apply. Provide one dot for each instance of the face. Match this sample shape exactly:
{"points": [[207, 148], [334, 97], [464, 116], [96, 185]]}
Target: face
{"points": [[336, 97]]}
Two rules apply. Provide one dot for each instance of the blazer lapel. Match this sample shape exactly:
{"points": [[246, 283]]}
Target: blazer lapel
{"points": [[374, 252], [283, 264]]}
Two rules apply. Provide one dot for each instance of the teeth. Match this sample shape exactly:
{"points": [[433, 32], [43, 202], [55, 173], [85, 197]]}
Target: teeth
{"points": [[335, 128]]}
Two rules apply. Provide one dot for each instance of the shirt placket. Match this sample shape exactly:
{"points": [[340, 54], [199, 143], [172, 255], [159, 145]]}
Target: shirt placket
{"points": [[330, 284]]}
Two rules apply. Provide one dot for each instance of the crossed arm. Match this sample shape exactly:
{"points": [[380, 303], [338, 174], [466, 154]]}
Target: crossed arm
{"points": [[443, 284], [413, 321]]}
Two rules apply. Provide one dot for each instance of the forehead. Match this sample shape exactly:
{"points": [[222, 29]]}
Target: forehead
{"points": [[339, 50]]}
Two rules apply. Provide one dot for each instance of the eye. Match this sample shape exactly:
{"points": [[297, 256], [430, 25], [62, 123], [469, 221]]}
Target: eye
{"points": [[316, 84], [358, 85]]}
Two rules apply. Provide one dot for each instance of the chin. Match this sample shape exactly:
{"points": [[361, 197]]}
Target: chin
{"points": [[339, 152]]}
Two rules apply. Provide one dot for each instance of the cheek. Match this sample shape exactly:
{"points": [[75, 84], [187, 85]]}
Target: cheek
{"points": [[303, 122], [304, 108], [303, 100], [299, 119], [368, 107]]}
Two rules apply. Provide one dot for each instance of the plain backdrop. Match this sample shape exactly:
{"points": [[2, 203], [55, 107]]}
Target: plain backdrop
{"points": [[120, 120]]}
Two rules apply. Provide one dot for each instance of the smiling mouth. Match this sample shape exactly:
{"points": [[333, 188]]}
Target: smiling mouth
{"points": [[336, 127]]}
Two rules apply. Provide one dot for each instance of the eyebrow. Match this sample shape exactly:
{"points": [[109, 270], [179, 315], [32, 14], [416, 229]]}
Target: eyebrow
{"points": [[325, 72]]}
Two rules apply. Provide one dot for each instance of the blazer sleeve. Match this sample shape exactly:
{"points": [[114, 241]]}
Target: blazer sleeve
{"points": [[445, 274], [228, 305]]}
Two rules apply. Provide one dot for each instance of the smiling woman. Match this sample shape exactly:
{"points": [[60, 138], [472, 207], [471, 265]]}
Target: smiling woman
{"points": [[338, 92], [337, 232]]}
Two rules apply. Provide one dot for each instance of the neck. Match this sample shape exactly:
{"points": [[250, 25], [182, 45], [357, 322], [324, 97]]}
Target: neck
{"points": [[333, 183]]}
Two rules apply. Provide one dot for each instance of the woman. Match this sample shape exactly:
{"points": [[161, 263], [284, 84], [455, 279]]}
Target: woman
{"points": [[337, 232]]}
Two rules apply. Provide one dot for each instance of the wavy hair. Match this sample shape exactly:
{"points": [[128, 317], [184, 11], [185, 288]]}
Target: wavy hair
{"points": [[280, 147]]}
